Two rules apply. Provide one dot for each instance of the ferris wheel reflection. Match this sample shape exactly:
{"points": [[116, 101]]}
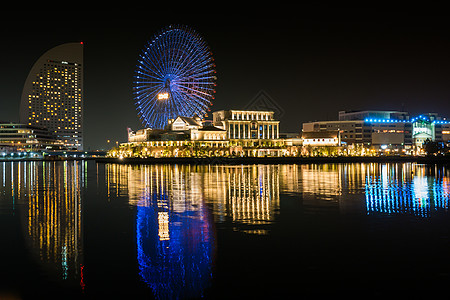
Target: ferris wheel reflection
{"points": [[174, 232]]}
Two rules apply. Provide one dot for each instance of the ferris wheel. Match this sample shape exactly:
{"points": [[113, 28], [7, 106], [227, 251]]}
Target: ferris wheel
{"points": [[175, 76]]}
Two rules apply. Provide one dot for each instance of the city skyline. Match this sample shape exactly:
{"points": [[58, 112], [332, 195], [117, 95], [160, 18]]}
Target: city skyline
{"points": [[310, 67], [198, 150]]}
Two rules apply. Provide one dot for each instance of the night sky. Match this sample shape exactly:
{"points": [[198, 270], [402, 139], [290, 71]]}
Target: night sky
{"points": [[311, 62]]}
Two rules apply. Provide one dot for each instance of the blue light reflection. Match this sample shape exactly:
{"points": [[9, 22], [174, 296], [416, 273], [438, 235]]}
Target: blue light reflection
{"points": [[174, 247], [415, 194]]}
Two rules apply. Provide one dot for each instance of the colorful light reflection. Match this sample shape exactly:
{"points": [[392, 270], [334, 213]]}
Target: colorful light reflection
{"points": [[418, 194], [175, 246]]}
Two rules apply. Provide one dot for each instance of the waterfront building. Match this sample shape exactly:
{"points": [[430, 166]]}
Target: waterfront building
{"points": [[247, 124], [181, 123], [179, 129], [15, 137], [208, 133], [52, 96], [250, 132], [182, 136], [232, 132], [321, 138], [139, 136], [393, 129], [195, 129]]}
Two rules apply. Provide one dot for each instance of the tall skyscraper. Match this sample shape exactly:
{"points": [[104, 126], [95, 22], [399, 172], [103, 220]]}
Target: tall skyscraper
{"points": [[53, 94]]}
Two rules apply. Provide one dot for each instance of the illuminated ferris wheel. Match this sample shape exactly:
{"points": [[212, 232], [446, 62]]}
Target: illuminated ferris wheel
{"points": [[174, 76]]}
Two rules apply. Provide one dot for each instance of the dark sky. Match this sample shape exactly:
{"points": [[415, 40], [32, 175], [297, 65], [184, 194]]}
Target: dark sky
{"points": [[311, 62]]}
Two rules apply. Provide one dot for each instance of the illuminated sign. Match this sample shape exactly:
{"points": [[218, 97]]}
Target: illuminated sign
{"points": [[163, 96]]}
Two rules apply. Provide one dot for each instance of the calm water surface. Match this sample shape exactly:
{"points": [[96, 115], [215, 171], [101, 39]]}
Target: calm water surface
{"points": [[87, 230]]}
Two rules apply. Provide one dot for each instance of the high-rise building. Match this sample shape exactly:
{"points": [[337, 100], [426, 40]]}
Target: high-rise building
{"points": [[52, 97]]}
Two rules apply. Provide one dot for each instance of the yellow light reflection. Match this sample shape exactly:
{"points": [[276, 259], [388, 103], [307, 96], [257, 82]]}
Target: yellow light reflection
{"points": [[50, 193]]}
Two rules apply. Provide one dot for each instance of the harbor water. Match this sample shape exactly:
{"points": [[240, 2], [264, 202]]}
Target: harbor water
{"points": [[81, 229]]}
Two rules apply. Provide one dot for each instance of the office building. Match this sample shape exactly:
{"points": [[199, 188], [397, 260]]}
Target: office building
{"points": [[52, 96], [384, 128]]}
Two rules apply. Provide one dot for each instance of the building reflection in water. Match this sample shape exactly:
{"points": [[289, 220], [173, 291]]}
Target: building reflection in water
{"points": [[49, 197], [176, 210], [177, 206], [407, 189], [325, 188], [248, 196], [390, 188]]}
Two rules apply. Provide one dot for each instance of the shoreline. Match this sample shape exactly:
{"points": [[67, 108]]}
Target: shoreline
{"points": [[278, 160], [25, 159], [249, 160]]}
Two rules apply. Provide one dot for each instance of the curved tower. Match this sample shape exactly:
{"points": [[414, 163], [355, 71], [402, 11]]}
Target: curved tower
{"points": [[53, 94]]}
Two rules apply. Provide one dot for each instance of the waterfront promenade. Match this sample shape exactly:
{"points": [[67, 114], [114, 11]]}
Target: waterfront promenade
{"points": [[247, 160], [278, 160]]}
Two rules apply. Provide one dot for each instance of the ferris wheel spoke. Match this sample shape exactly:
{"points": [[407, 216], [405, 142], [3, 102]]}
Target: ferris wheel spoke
{"points": [[207, 92], [141, 78], [190, 62], [149, 82], [148, 90], [141, 81], [150, 60], [147, 114], [155, 61], [150, 113], [195, 90], [200, 76], [195, 54], [149, 104], [177, 106], [198, 57], [166, 44], [175, 54], [147, 99], [195, 107], [197, 100], [197, 85], [196, 68], [146, 72]]}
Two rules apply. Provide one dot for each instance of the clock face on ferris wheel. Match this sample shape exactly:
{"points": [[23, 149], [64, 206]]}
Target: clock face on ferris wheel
{"points": [[175, 76]]}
